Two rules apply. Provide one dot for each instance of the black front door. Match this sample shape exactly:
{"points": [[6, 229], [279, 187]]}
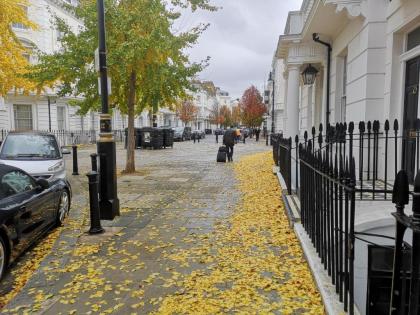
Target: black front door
{"points": [[411, 103]]}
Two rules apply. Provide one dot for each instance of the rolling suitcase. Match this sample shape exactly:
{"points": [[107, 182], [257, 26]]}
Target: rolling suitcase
{"points": [[221, 155]]}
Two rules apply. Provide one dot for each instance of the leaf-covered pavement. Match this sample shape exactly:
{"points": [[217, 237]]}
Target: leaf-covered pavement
{"points": [[203, 243], [255, 263]]}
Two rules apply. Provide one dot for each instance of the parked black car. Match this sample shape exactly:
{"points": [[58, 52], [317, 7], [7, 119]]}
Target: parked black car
{"points": [[182, 133], [28, 209]]}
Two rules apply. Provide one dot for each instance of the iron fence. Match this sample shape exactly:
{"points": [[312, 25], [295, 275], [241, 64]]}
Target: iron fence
{"points": [[405, 291], [327, 197], [70, 137], [336, 167], [282, 155]]}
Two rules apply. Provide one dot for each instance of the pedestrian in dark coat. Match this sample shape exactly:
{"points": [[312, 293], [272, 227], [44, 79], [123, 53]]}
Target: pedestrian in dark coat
{"points": [[257, 134], [217, 137], [229, 142]]}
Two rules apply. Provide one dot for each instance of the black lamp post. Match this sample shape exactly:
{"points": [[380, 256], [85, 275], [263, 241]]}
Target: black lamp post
{"points": [[309, 75], [108, 200], [271, 80]]}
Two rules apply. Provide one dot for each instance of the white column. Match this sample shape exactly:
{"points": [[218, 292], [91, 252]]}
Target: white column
{"points": [[292, 104]]}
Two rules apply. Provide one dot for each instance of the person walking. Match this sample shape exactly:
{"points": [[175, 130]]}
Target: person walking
{"points": [[229, 142], [194, 136], [217, 136], [257, 134]]}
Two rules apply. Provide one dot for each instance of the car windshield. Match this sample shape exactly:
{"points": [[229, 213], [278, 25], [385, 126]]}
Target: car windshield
{"points": [[179, 129], [30, 146]]}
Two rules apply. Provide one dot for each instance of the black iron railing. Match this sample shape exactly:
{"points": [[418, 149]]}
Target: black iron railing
{"points": [[282, 155], [403, 300], [327, 198], [336, 167]]}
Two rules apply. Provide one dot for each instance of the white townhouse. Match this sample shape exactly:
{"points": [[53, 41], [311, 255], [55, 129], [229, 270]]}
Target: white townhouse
{"points": [[366, 56], [48, 111], [45, 111], [373, 43], [208, 98]]}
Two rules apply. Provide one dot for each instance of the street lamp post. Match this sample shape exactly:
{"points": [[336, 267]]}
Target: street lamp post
{"points": [[108, 200], [272, 81]]}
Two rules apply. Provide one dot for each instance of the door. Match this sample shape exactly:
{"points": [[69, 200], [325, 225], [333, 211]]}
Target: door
{"points": [[410, 115], [32, 206]]}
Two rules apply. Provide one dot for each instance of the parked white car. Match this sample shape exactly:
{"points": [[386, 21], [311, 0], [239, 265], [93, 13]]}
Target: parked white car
{"points": [[37, 153]]}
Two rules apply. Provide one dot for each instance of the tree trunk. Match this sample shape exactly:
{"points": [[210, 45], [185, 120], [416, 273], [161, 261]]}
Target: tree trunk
{"points": [[130, 166]]}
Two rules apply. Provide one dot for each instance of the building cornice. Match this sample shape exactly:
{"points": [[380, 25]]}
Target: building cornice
{"points": [[63, 6], [352, 7]]}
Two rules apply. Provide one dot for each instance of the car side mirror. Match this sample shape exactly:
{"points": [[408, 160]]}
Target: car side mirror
{"points": [[65, 151], [43, 183]]}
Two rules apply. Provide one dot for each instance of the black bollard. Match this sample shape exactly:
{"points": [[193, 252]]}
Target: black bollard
{"points": [[95, 217], [75, 165], [94, 159]]}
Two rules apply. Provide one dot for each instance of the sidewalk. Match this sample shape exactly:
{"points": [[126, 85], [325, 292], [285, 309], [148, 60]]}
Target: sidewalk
{"points": [[165, 249]]}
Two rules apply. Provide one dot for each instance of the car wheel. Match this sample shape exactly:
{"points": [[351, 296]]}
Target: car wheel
{"points": [[63, 207], [3, 257]]}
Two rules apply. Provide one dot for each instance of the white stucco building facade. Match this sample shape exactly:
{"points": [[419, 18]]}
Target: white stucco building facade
{"points": [[47, 111], [374, 75], [31, 112]]}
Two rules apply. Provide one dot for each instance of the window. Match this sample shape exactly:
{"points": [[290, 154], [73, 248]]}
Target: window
{"points": [[60, 35], [61, 118], [413, 39], [23, 117], [15, 182], [29, 48], [20, 25], [24, 146]]}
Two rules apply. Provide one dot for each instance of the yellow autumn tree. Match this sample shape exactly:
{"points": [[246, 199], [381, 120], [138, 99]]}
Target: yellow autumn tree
{"points": [[13, 64]]}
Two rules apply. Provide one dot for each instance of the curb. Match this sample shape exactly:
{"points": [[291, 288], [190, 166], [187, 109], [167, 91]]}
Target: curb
{"points": [[323, 282]]}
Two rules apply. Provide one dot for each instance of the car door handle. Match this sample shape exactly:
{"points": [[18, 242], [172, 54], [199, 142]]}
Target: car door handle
{"points": [[25, 214]]}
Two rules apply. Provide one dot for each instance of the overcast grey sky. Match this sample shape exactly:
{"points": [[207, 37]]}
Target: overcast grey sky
{"points": [[240, 40]]}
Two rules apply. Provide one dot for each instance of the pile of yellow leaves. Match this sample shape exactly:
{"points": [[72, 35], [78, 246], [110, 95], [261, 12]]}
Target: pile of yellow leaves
{"points": [[253, 264], [25, 269]]}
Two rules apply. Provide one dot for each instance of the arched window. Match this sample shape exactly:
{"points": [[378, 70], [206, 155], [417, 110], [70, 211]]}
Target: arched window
{"points": [[29, 46], [21, 26]]}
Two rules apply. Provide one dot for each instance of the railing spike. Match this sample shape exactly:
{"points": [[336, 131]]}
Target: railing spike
{"points": [[396, 127], [376, 125], [313, 131], [320, 127], [369, 126], [305, 135], [296, 139], [386, 125], [362, 127], [400, 192], [351, 127]]}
